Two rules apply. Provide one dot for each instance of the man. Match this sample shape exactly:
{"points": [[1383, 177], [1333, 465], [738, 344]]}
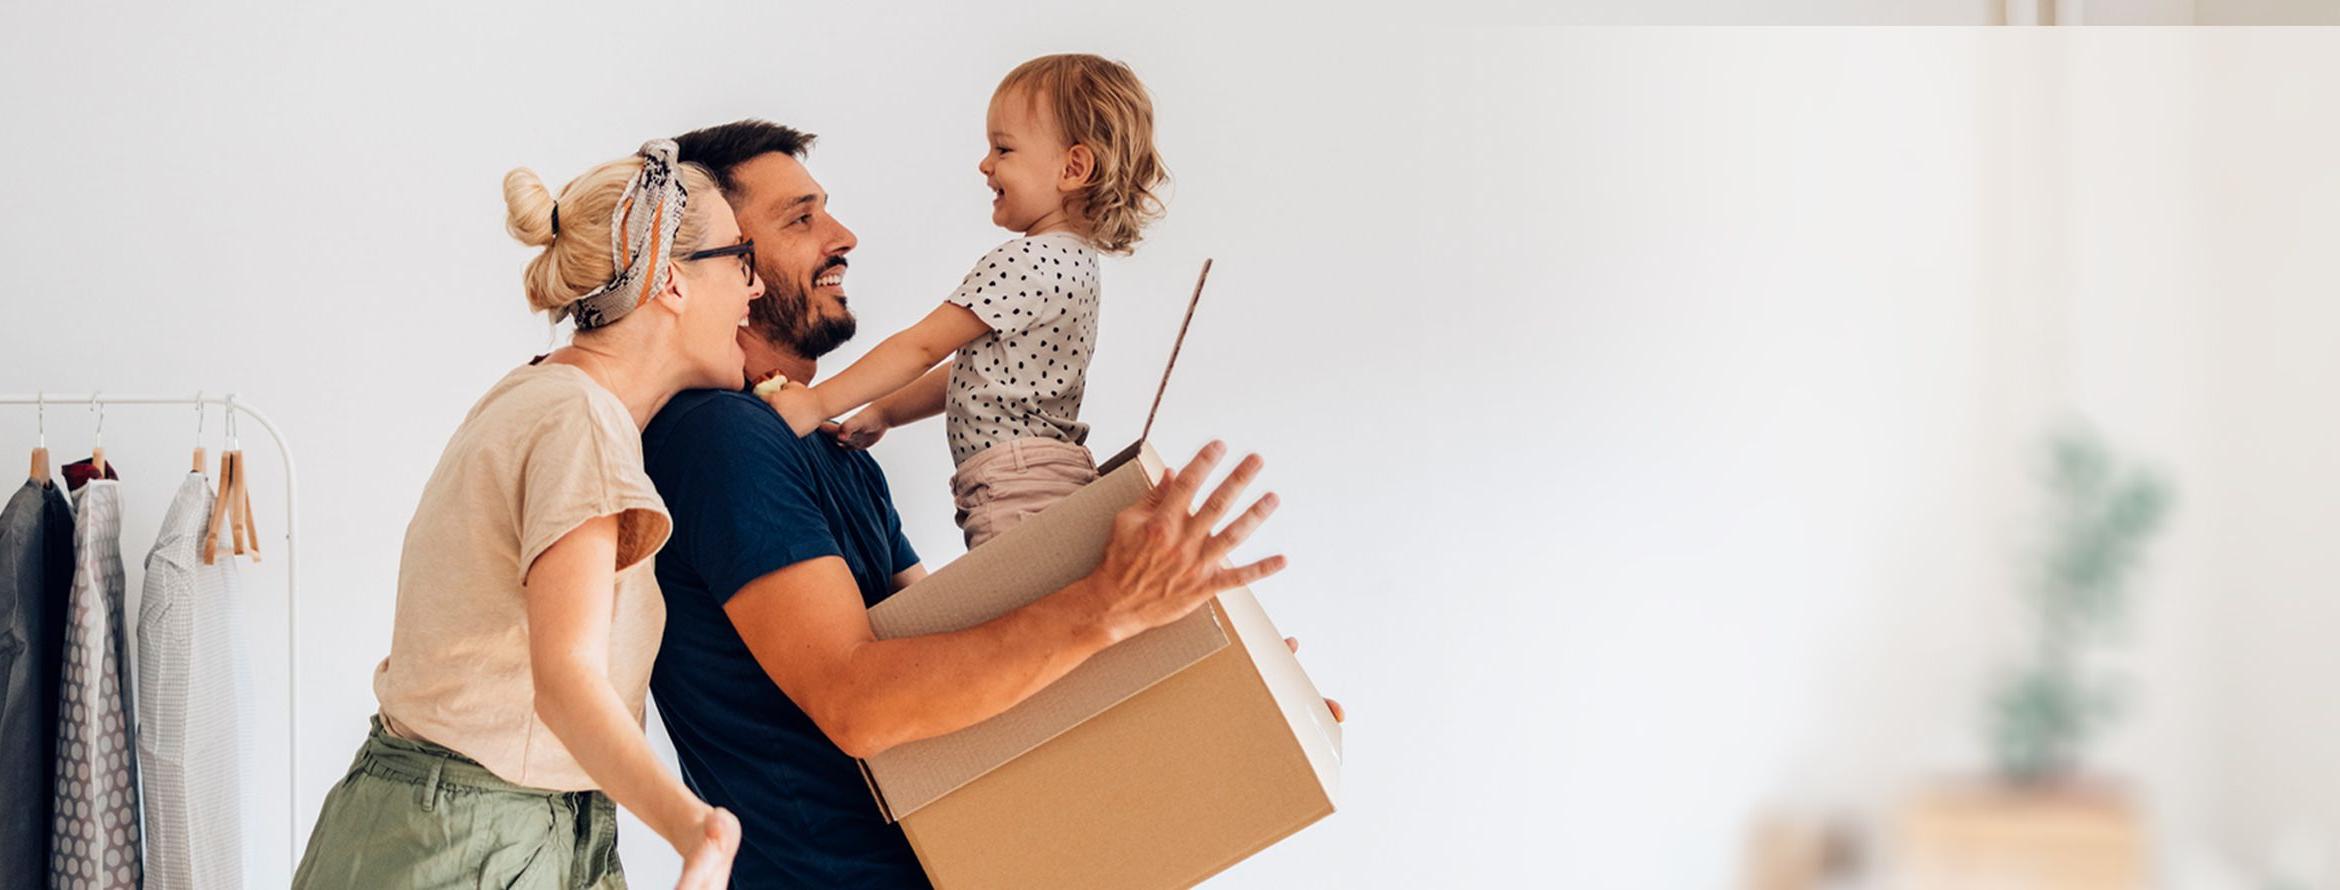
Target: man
{"points": [[769, 679]]}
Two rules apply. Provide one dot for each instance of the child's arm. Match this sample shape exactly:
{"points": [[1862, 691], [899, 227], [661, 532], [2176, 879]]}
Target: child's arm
{"points": [[893, 364], [922, 399]]}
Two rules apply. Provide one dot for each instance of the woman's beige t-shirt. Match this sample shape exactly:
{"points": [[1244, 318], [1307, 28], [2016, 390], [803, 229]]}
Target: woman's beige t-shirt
{"points": [[542, 452]]}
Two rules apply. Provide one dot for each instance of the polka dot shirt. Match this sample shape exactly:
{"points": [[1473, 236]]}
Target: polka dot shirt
{"points": [[1025, 378]]}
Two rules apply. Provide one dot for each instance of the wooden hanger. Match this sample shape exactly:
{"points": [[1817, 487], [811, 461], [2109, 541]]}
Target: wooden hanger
{"points": [[199, 455], [231, 510], [247, 534], [219, 507], [97, 452], [40, 454], [244, 493]]}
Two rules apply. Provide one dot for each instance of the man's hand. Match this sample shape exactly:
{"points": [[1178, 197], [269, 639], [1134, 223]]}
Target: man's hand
{"points": [[861, 430], [797, 404], [1339, 716], [1163, 560]]}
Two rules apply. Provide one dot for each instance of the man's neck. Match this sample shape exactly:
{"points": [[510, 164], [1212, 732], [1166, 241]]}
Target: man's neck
{"points": [[765, 359]]}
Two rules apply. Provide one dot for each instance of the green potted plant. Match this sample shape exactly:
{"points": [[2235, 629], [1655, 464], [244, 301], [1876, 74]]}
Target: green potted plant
{"points": [[2101, 515]]}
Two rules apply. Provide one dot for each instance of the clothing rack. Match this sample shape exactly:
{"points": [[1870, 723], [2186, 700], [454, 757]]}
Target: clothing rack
{"points": [[292, 577]]}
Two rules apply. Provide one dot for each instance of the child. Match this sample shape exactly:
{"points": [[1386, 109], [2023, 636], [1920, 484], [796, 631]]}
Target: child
{"points": [[1072, 166]]}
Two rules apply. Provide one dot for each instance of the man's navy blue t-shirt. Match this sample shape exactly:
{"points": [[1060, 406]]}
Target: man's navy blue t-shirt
{"points": [[749, 498]]}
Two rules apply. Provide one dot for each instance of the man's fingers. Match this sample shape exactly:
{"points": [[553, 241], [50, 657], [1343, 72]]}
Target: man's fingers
{"points": [[1180, 489], [1234, 534], [1340, 714], [1292, 643], [1246, 575], [1153, 497], [1223, 497]]}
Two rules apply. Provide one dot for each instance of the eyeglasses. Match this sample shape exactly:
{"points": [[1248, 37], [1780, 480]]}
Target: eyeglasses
{"points": [[745, 250]]}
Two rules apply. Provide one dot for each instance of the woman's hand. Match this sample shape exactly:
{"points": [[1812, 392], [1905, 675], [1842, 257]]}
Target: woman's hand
{"points": [[797, 404], [707, 865]]}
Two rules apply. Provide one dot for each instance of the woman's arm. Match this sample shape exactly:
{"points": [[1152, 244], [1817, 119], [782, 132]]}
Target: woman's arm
{"points": [[894, 364], [570, 592]]}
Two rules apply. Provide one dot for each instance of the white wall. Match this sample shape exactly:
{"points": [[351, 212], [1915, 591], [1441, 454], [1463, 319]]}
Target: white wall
{"points": [[1653, 408], [2271, 216]]}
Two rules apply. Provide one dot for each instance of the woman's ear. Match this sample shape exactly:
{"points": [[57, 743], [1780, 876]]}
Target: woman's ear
{"points": [[677, 294], [1079, 165]]}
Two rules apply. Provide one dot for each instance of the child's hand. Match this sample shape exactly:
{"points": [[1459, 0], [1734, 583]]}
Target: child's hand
{"points": [[861, 430], [795, 402]]}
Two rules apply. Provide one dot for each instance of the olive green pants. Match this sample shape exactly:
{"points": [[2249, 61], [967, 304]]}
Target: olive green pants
{"points": [[413, 814]]}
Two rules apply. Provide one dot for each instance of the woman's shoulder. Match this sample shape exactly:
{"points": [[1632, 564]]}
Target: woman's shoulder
{"points": [[548, 384], [548, 397]]}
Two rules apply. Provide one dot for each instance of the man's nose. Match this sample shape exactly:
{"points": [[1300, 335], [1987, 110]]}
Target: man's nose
{"points": [[842, 241]]}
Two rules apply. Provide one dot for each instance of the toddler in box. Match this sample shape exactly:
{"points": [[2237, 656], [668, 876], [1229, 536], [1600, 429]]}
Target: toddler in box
{"points": [[1072, 166]]}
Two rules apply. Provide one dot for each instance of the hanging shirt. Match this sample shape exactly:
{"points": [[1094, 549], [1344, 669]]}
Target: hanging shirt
{"points": [[36, 577], [95, 843], [193, 701]]}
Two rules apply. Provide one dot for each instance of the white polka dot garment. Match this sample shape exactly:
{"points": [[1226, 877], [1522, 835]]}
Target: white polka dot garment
{"points": [[194, 704], [95, 846], [1025, 378]]}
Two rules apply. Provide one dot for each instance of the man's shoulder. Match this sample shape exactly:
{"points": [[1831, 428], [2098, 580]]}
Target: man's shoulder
{"points": [[714, 423], [699, 412]]}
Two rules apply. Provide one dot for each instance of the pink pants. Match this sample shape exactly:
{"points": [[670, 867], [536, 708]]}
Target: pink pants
{"points": [[1002, 484]]}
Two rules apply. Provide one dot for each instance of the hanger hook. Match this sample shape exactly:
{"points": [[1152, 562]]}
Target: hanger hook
{"points": [[235, 437], [198, 418], [100, 408], [41, 412]]}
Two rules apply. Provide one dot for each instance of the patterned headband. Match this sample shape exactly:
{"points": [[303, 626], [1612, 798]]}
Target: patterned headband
{"points": [[641, 238]]}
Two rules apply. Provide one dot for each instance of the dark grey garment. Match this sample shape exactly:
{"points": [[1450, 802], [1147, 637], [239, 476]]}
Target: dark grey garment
{"points": [[36, 576]]}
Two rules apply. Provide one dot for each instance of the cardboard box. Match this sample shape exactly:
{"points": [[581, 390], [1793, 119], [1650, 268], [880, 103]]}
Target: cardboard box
{"points": [[1158, 763]]}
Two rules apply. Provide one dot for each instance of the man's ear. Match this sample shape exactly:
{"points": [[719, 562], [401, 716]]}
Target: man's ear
{"points": [[1079, 165]]}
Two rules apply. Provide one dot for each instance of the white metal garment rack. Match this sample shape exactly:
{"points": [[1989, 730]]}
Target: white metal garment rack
{"points": [[292, 575]]}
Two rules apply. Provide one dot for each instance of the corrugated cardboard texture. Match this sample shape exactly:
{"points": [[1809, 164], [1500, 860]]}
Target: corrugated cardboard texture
{"points": [[1037, 557], [1164, 790]]}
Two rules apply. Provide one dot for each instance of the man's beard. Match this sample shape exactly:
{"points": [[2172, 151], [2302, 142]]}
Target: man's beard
{"points": [[784, 317]]}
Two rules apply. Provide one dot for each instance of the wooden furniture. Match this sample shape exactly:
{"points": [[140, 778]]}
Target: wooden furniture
{"points": [[2073, 836]]}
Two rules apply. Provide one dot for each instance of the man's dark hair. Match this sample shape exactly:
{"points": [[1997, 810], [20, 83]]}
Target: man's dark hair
{"points": [[723, 147]]}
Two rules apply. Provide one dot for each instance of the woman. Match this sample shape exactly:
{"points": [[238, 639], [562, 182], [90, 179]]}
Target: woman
{"points": [[528, 617]]}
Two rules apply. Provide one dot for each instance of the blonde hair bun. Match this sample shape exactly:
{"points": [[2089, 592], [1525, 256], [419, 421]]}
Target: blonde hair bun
{"points": [[528, 208]]}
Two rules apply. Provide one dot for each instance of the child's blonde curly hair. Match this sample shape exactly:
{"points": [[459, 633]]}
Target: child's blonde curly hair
{"points": [[1099, 103]]}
